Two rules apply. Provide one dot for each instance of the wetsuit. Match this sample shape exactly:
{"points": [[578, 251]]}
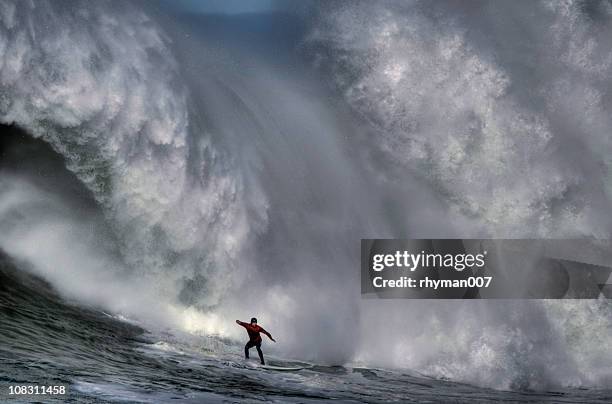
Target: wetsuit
{"points": [[254, 339]]}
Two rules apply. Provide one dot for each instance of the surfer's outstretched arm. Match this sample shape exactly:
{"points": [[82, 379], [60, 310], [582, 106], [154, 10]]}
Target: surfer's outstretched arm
{"points": [[267, 334], [241, 323]]}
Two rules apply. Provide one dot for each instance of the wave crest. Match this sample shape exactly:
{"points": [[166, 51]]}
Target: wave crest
{"points": [[101, 86]]}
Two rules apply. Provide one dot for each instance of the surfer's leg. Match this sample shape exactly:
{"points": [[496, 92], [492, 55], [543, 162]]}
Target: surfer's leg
{"points": [[258, 346], [248, 346]]}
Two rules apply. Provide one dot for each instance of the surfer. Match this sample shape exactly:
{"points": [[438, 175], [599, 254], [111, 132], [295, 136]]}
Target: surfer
{"points": [[254, 338]]}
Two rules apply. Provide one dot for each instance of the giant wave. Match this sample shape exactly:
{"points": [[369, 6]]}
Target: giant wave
{"points": [[223, 178]]}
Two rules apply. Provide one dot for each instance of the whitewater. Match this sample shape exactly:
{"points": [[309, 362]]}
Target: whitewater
{"points": [[164, 172]]}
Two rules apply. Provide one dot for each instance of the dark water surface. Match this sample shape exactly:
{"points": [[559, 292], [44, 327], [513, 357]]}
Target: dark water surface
{"points": [[48, 341]]}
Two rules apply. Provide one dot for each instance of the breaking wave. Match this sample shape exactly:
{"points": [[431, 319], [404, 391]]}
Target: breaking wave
{"points": [[227, 181]]}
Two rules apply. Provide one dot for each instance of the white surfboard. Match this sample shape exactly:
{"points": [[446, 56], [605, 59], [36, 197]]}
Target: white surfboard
{"points": [[281, 368]]}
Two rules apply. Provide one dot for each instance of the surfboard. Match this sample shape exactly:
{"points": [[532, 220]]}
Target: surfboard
{"points": [[288, 366], [281, 368]]}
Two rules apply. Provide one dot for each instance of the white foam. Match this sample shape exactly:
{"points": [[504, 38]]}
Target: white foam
{"points": [[99, 84], [500, 108], [453, 110]]}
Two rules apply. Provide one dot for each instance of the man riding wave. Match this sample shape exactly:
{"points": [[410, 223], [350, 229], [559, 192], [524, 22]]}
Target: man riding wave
{"points": [[254, 338]]}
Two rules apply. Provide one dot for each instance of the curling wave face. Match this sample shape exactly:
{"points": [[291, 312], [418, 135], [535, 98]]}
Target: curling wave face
{"points": [[183, 178], [101, 87]]}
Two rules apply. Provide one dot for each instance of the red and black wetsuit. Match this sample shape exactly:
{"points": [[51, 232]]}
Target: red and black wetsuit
{"points": [[254, 339]]}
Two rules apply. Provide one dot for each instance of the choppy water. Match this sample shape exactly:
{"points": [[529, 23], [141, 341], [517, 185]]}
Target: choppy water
{"points": [[46, 340]]}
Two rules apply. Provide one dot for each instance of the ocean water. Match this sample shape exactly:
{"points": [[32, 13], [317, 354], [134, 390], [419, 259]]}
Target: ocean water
{"points": [[169, 167], [49, 341]]}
